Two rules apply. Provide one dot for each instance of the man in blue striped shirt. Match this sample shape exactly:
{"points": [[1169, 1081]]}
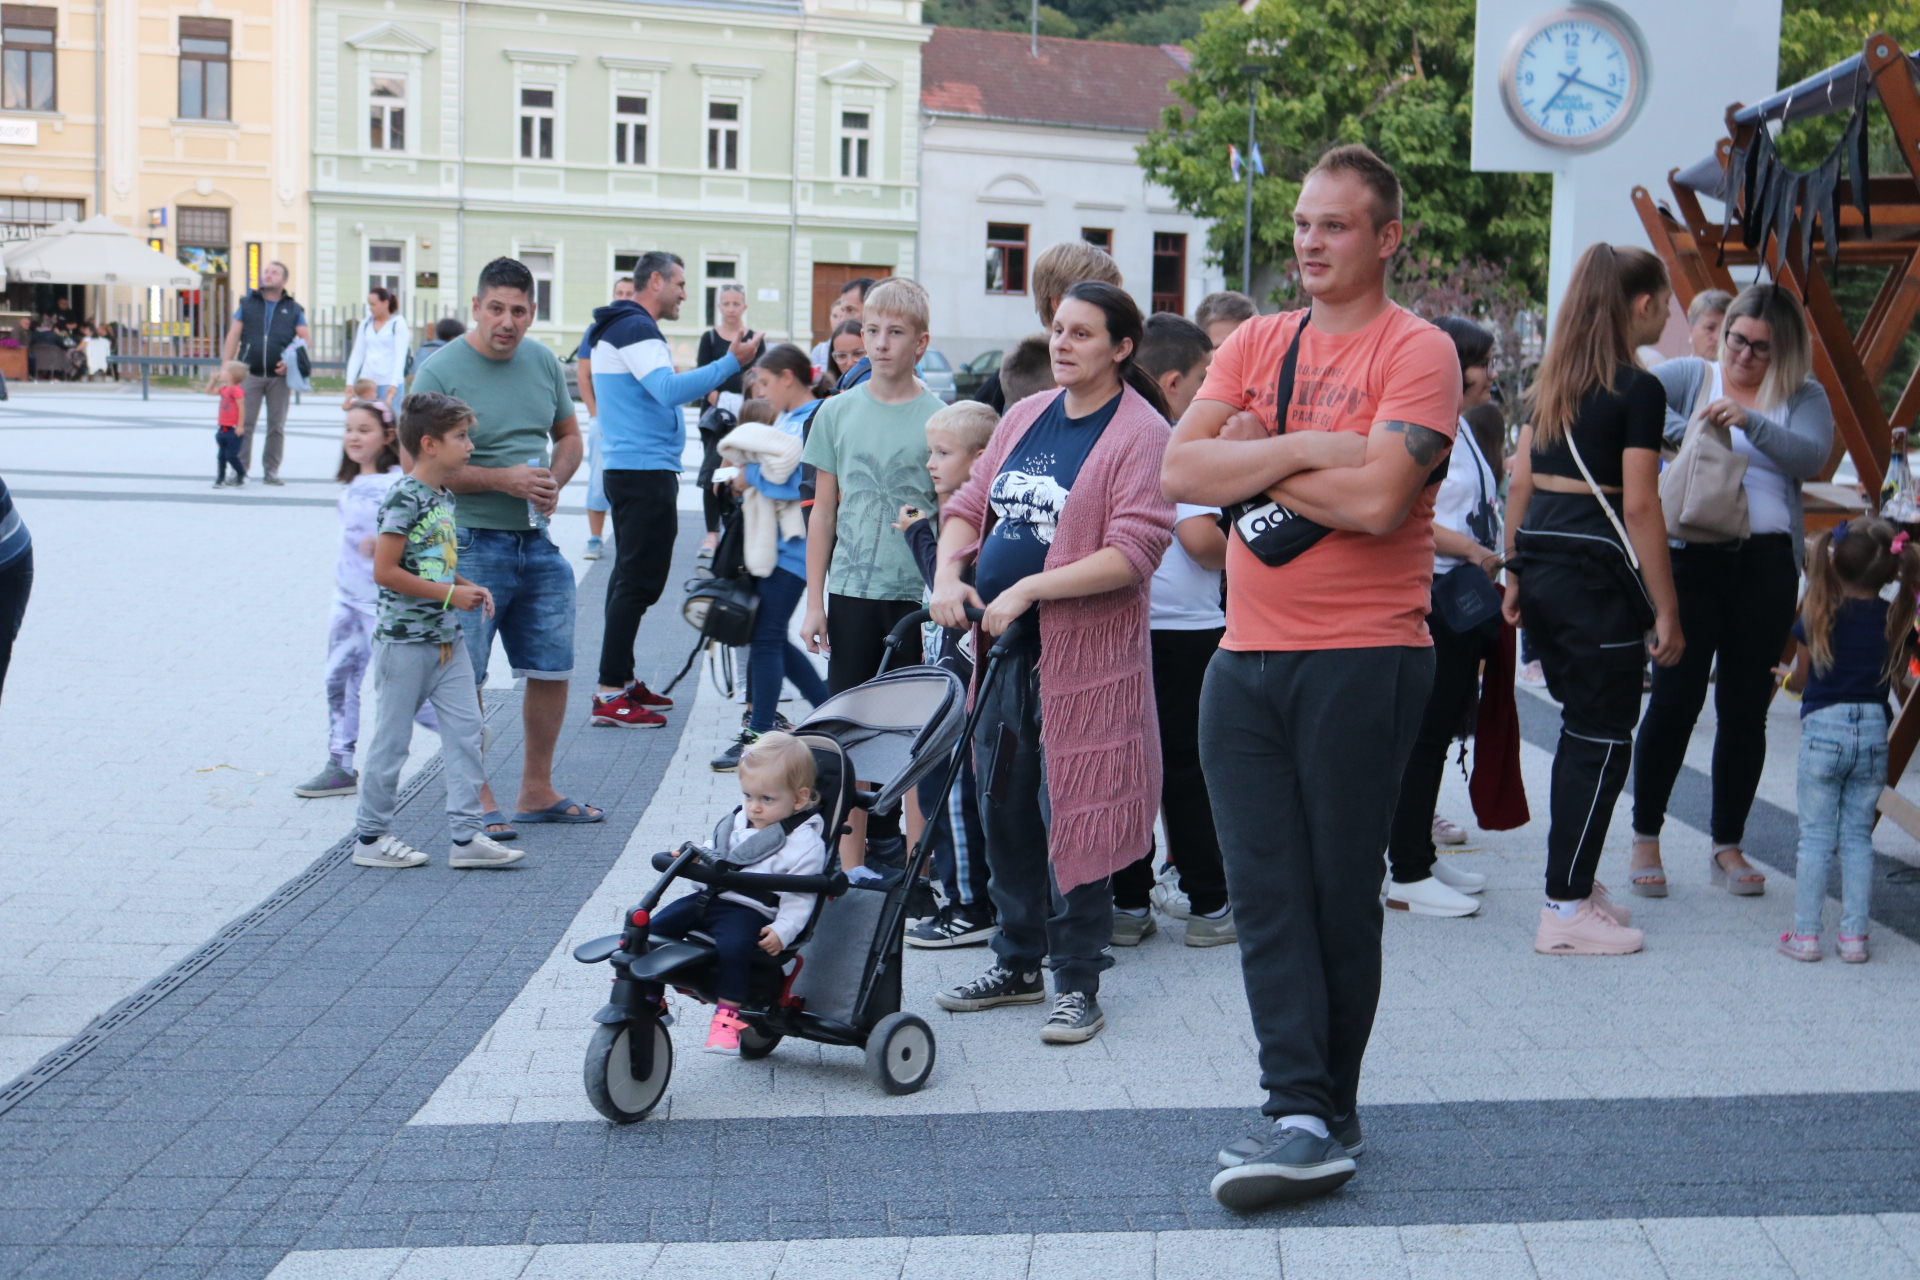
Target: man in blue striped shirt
{"points": [[16, 576], [641, 438]]}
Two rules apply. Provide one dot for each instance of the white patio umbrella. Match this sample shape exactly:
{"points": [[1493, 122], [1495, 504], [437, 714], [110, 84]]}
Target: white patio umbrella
{"points": [[97, 251]]}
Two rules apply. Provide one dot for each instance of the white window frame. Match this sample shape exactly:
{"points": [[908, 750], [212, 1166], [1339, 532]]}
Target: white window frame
{"points": [[403, 105], [624, 120], [551, 279], [854, 155], [860, 87], [616, 271], [371, 268], [710, 281], [387, 49], [539, 69], [712, 157], [524, 115]]}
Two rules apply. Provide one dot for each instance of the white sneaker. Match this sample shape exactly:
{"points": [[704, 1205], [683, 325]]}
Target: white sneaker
{"points": [[387, 852], [482, 851], [1429, 897], [1170, 901], [1454, 878], [1445, 832]]}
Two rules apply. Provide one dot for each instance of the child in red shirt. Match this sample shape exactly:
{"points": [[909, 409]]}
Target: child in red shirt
{"points": [[227, 385]]}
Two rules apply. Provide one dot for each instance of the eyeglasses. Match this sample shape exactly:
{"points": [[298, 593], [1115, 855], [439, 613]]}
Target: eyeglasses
{"points": [[1737, 343]]}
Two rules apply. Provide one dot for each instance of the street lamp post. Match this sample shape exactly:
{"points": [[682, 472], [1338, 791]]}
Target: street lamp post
{"points": [[1246, 237]]}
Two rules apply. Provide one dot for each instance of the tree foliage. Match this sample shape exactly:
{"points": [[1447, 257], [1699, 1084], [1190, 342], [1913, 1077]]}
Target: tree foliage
{"points": [[1126, 21], [1393, 74]]}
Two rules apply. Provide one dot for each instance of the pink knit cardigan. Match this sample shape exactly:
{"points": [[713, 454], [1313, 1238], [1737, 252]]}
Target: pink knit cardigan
{"points": [[1098, 728]]}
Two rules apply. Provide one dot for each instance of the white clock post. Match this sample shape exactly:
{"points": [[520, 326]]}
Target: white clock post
{"points": [[1605, 96]]}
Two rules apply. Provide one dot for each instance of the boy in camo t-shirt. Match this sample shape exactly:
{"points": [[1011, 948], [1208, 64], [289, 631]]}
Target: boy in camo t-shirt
{"points": [[418, 654]]}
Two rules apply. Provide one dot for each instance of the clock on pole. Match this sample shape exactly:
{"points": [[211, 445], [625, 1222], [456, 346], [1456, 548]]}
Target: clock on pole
{"points": [[1572, 78]]}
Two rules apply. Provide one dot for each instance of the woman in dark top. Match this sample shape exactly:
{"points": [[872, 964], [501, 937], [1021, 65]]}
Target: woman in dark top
{"points": [[1583, 514], [731, 303]]}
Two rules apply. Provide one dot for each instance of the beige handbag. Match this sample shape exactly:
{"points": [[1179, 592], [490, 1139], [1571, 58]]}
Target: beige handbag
{"points": [[1702, 491]]}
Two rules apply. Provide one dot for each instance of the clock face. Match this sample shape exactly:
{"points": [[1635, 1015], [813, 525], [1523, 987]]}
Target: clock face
{"points": [[1572, 79]]}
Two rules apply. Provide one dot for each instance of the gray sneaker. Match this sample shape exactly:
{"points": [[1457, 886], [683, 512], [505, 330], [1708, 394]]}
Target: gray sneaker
{"points": [[1211, 931], [387, 852], [1294, 1165], [1344, 1129], [483, 851], [1076, 1018], [330, 781], [1128, 930], [997, 986]]}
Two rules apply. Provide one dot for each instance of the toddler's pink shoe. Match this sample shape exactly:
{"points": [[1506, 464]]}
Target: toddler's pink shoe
{"points": [[1853, 950], [723, 1036], [1801, 946]]}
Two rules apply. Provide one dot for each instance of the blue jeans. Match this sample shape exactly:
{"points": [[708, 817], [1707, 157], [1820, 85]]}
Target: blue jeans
{"points": [[1843, 766], [775, 657], [596, 491], [533, 608]]}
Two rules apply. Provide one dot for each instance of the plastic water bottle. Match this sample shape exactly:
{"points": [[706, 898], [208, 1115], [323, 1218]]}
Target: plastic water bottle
{"points": [[534, 513], [1898, 501]]}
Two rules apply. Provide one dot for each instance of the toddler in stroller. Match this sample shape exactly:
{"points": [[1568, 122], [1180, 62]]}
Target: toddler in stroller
{"points": [[775, 831]]}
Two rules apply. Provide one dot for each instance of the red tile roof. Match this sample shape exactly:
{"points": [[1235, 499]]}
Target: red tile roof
{"points": [[1092, 83]]}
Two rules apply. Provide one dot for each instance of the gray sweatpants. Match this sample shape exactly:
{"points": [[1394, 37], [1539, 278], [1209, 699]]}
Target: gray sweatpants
{"points": [[272, 389], [404, 676]]}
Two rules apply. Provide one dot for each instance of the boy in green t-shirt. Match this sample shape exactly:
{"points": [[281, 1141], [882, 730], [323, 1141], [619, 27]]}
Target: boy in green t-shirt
{"points": [[419, 654], [868, 448]]}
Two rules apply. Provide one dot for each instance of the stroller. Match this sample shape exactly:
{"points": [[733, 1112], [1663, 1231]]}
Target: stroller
{"points": [[839, 980]]}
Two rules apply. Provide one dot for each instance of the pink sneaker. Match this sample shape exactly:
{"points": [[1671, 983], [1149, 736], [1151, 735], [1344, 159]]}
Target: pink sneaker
{"points": [[1591, 932], [1603, 901], [1799, 946], [1853, 950], [723, 1036]]}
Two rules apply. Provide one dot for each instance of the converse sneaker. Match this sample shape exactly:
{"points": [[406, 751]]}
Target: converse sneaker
{"points": [[621, 711], [1130, 930], [595, 549], [1212, 931], [954, 926], [1800, 946], [1076, 1018], [1591, 932], [723, 1033], [997, 986], [1294, 1165], [1853, 950], [1445, 832], [330, 781], [483, 851], [387, 852], [729, 760], [1344, 1130]]}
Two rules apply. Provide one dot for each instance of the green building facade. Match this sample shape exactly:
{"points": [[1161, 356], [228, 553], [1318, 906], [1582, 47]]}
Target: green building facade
{"points": [[773, 142]]}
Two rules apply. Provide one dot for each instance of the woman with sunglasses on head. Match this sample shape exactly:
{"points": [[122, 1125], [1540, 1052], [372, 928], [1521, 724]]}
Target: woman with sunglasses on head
{"points": [[1736, 598]]}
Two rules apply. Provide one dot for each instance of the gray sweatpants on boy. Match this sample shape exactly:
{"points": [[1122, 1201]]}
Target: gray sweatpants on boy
{"points": [[404, 676]]}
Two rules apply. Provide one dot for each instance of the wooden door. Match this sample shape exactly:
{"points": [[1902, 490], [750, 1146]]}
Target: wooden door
{"points": [[828, 279]]}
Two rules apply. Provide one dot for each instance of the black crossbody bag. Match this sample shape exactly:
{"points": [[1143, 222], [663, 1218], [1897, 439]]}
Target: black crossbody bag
{"points": [[1273, 533]]}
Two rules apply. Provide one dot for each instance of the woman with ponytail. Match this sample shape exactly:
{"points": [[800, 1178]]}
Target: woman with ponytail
{"points": [[1588, 574], [1853, 641], [1065, 519]]}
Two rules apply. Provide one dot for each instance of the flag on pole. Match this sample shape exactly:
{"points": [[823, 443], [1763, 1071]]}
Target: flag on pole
{"points": [[1259, 165], [1233, 159]]}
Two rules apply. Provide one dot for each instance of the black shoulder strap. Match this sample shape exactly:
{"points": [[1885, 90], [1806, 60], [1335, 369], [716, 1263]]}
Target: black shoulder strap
{"points": [[1283, 387]]}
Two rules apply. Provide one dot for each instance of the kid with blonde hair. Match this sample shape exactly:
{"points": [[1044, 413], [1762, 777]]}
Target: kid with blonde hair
{"points": [[228, 383]]}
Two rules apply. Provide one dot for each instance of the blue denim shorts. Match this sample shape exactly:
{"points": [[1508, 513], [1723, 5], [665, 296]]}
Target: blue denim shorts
{"points": [[533, 605]]}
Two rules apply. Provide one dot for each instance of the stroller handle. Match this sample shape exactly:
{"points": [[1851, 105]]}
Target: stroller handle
{"points": [[704, 872], [905, 626]]}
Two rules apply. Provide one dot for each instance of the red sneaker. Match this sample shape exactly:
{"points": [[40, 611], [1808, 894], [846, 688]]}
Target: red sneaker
{"points": [[620, 711], [645, 697]]}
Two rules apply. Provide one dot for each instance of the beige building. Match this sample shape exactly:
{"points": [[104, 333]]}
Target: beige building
{"points": [[187, 123]]}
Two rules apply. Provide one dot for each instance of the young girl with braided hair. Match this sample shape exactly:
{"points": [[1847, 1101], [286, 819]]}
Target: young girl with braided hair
{"points": [[1855, 628]]}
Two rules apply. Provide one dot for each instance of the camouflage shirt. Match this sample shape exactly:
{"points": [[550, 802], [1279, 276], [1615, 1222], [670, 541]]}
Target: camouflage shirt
{"points": [[424, 517]]}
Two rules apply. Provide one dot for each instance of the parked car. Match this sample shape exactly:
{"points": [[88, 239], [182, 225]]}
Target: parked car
{"points": [[968, 377], [937, 373]]}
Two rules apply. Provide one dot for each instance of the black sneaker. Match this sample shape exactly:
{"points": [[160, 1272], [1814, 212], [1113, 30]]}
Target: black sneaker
{"points": [[1345, 1131], [1076, 1018], [729, 760], [954, 926], [997, 986], [780, 723], [1294, 1165], [921, 904]]}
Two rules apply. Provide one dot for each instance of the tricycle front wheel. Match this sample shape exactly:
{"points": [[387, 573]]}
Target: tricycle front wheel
{"points": [[900, 1053], [614, 1088]]}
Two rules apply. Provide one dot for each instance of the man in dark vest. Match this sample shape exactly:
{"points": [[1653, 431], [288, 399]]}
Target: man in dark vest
{"points": [[266, 323]]}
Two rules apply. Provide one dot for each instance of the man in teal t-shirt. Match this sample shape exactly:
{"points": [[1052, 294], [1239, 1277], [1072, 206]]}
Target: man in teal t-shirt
{"points": [[519, 397]]}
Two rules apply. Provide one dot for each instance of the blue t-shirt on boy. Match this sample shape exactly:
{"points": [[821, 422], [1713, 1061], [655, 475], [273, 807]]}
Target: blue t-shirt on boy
{"points": [[1028, 496], [1859, 648]]}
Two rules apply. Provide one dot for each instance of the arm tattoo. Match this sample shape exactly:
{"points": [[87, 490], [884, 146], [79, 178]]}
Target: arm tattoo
{"points": [[1424, 444]]}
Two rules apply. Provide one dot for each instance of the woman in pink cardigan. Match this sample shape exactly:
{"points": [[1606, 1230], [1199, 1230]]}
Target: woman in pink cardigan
{"points": [[1067, 495]]}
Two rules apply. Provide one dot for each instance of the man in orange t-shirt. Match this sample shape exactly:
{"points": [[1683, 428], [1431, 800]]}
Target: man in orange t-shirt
{"points": [[1311, 705]]}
